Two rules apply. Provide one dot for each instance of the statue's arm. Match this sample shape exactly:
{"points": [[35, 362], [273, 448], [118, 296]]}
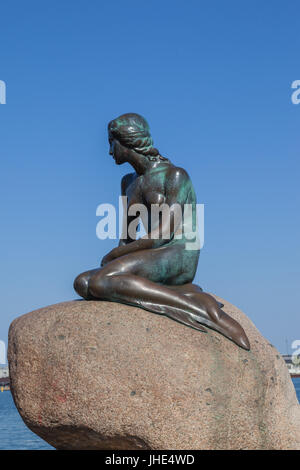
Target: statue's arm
{"points": [[126, 180], [177, 187]]}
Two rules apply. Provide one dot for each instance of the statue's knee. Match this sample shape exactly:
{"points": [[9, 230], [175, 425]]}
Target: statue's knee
{"points": [[97, 286], [81, 286]]}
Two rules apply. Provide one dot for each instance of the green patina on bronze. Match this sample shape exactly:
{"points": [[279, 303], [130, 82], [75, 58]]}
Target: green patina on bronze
{"points": [[155, 272], [133, 131]]}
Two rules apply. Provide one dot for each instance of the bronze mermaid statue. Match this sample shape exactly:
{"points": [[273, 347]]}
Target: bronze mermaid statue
{"points": [[156, 271]]}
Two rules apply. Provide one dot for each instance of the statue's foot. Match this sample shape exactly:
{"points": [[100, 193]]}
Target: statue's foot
{"points": [[207, 303], [233, 330], [188, 321], [218, 319]]}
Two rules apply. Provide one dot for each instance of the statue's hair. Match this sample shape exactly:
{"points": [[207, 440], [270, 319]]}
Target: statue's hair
{"points": [[132, 131]]}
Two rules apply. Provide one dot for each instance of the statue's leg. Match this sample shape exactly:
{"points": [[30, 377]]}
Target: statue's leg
{"points": [[135, 290], [134, 279], [204, 299], [192, 290]]}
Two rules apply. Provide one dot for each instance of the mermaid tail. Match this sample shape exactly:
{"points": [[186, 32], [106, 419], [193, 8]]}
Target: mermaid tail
{"points": [[174, 313], [225, 324]]}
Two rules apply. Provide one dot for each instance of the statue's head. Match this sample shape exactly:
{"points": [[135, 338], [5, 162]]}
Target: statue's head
{"points": [[130, 133]]}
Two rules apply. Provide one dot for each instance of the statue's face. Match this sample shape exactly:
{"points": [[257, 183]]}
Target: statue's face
{"points": [[117, 151]]}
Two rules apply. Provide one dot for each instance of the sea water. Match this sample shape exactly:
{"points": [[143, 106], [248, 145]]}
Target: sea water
{"points": [[297, 387], [14, 434]]}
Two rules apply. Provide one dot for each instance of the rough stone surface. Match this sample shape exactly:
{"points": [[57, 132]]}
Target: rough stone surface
{"points": [[100, 375]]}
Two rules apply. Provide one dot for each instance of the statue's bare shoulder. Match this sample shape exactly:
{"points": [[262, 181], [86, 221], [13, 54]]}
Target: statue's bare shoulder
{"points": [[126, 181], [177, 172]]}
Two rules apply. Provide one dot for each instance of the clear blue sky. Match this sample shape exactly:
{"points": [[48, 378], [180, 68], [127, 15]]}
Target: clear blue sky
{"points": [[214, 81]]}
